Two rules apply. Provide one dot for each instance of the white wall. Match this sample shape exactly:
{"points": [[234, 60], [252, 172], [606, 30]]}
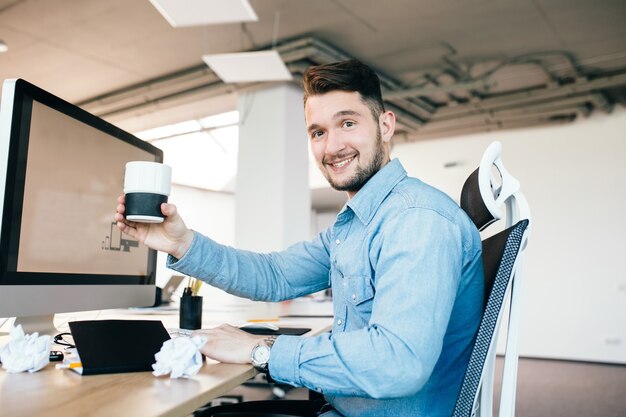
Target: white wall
{"points": [[574, 177], [210, 213]]}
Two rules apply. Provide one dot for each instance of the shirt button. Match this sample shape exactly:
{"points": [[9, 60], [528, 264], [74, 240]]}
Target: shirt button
{"points": [[339, 322], [337, 241], [354, 296]]}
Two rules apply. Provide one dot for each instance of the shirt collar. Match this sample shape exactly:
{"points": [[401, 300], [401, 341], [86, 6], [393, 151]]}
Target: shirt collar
{"points": [[366, 201]]}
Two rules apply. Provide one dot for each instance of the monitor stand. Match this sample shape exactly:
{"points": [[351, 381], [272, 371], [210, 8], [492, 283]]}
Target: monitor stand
{"points": [[41, 324]]}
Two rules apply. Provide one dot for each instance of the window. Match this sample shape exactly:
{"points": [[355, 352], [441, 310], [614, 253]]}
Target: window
{"points": [[202, 152]]}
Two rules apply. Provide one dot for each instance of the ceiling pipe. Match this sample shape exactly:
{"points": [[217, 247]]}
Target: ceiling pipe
{"points": [[187, 81], [444, 88], [451, 132], [493, 119], [590, 100], [530, 96], [416, 116]]}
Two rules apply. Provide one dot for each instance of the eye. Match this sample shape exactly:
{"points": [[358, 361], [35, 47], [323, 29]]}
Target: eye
{"points": [[317, 134], [348, 123]]}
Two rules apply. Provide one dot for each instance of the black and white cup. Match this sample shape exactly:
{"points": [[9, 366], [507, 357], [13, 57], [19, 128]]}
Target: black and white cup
{"points": [[146, 185]]}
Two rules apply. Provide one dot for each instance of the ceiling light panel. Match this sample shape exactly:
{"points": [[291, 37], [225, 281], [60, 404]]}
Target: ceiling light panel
{"points": [[248, 66], [204, 12]]}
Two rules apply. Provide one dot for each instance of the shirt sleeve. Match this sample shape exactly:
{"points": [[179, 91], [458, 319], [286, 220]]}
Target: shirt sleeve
{"points": [[417, 259], [299, 270]]}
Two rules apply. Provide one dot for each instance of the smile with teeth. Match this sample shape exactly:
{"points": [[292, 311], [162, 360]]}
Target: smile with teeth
{"points": [[343, 163]]}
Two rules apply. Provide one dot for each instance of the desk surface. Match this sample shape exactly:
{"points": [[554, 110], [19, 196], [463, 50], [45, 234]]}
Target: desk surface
{"points": [[52, 392]]}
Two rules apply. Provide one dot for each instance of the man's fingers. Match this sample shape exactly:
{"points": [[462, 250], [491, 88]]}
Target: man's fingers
{"points": [[168, 209], [127, 228], [122, 226], [122, 222]]}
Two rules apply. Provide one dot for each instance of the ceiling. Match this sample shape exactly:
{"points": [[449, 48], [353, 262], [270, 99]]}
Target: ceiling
{"points": [[449, 67]]}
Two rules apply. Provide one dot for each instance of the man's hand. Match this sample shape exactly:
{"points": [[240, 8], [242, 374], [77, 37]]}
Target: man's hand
{"points": [[171, 236], [228, 344]]}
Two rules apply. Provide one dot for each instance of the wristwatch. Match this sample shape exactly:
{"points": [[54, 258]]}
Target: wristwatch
{"points": [[260, 356]]}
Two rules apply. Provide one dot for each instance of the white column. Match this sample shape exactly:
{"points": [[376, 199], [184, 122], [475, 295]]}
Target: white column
{"points": [[272, 197]]}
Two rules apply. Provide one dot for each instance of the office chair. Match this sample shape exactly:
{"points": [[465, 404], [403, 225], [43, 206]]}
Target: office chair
{"points": [[485, 192]]}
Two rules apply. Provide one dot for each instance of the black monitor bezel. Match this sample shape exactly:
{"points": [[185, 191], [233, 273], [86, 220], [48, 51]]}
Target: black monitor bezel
{"points": [[23, 96]]}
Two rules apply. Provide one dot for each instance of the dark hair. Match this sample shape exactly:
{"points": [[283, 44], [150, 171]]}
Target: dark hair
{"points": [[352, 75]]}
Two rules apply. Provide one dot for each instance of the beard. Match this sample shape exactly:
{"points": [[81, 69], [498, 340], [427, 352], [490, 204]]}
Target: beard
{"points": [[362, 174]]}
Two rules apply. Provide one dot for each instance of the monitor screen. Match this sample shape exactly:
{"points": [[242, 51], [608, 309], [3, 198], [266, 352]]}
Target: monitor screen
{"points": [[63, 170]]}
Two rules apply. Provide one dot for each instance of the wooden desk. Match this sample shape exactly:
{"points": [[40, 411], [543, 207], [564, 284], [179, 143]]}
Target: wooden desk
{"points": [[63, 393]]}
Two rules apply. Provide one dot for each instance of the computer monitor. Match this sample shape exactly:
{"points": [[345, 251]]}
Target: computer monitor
{"points": [[61, 171]]}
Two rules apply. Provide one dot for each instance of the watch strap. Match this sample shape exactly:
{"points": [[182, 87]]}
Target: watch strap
{"points": [[269, 341]]}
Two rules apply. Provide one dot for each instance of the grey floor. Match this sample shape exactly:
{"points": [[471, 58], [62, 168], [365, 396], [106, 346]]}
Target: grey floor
{"points": [[553, 388], [547, 388]]}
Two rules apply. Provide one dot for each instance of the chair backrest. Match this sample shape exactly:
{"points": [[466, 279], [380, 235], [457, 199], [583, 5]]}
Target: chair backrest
{"points": [[485, 192]]}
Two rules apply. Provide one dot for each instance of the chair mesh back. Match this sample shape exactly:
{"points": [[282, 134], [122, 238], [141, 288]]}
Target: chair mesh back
{"points": [[507, 243], [472, 202]]}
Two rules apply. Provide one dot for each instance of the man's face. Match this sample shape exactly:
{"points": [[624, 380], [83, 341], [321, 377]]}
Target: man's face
{"points": [[349, 145]]}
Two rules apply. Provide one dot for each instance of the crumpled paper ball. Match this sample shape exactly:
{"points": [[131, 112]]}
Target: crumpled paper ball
{"points": [[25, 352], [179, 357]]}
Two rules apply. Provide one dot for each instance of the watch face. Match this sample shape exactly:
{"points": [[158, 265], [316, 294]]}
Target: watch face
{"points": [[260, 355]]}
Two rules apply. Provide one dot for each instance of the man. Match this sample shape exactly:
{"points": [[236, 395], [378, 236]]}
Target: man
{"points": [[403, 260]]}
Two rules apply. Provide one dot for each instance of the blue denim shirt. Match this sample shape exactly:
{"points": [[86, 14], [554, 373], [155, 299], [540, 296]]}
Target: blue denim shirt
{"points": [[404, 263]]}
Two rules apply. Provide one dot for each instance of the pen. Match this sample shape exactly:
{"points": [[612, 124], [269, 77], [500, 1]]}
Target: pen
{"points": [[262, 320], [71, 365], [195, 287], [187, 290]]}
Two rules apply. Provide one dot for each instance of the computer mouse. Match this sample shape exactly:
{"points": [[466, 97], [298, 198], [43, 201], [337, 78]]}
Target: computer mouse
{"points": [[259, 325]]}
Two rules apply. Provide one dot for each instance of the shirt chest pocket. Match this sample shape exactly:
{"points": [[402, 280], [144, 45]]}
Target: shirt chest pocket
{"points": [[360, 295]]}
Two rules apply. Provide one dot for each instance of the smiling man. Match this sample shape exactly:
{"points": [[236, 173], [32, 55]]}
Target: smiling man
{"points": [[341, 128], [403, 260]]}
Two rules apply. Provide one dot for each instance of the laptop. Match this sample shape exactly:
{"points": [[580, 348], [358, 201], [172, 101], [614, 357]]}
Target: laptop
{"points": [[168, 290]]}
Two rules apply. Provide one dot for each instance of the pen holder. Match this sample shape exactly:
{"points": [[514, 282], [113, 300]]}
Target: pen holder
{"points": [[191, 312]]}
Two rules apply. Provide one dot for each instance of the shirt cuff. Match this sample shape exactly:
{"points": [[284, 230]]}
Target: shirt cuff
{"points": [[284, 360]]}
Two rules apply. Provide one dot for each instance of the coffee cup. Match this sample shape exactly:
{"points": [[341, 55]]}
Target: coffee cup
{"points": [[146, 186]]}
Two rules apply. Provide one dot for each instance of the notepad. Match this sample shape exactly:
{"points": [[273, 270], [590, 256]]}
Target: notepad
{"points": [[115, 346]]}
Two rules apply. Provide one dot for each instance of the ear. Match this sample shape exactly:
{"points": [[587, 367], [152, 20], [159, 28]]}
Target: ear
{"points": [[387, 123]]}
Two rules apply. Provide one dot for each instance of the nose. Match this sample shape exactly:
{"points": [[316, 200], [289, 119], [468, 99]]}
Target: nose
{"points": [[334, 143]]}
